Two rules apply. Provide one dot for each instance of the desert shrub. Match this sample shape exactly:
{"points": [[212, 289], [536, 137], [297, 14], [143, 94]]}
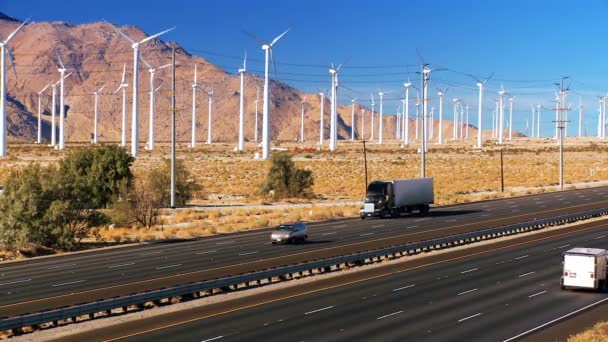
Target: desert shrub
{"points": [[285, 180]]}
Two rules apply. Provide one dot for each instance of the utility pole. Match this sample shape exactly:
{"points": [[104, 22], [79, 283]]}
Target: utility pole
{"points": [[502, 172], [425, 75], [173, 129], [365, 161], [560, 124]]}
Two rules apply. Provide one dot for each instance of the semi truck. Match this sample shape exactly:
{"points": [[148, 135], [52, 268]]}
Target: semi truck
{"points": [[584, 268], [391, 198]]}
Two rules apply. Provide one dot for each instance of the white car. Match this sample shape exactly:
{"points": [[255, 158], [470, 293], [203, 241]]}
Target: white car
{"points": [[290, 233]]}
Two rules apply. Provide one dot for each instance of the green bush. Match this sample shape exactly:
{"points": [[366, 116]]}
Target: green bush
{"points": [[285, 180]]}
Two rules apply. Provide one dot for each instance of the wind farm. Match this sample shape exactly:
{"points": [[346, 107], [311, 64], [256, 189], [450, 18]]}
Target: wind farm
{"points": [[197, 173]]}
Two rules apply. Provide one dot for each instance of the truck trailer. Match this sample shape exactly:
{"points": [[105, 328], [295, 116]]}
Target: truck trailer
{"points": [[391, 198], [584, 268]]}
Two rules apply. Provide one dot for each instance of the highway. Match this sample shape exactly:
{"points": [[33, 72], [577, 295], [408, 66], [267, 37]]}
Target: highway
{"points": [[494, 294], [45, 283]]}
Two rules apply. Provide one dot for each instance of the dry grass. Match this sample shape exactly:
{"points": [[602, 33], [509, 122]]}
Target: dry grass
{"points": [[599, 333]]}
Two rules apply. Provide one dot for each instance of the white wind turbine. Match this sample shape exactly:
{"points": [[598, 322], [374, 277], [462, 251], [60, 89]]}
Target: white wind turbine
{"points": [[96, 114], [210, 123], [580, 117], [511, 118], [321, 117], [267, 47], [533, 121], [62, 69], [39, 135], [194, 87], [372, 117], [257, 98], [123, 86], [135, 115], [152, 70], [242, 105], [362, 124], [441, 93], [302, 121], [3, 50], [381, 112], [333, 126], [406, 106], [501, 114], [455, 128], [481, 84], [352, 119], [538, 121]]}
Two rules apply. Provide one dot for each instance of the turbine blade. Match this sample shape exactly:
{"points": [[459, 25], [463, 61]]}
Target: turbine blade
{"points": [[340, 66], [256, 38], [195, 74], [274, 41], [245, 61], [124, 35], [12, 60], [146, 63], [43, 89], [10, 36], [155, 35], [124, 71], [489, 77], [59, 59], [164, 66], [274, 65], [117, 89], [100, 89], [158, 88], [66, 76]]}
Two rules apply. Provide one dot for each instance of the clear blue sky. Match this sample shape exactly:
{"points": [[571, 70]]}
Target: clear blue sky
{"points": [[527, 44]]}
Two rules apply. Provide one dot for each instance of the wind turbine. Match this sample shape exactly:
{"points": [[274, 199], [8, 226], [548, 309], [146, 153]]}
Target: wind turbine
{"points": [[321, 115], [511, 118], [194, 87], [96, 115], [467, 123], [267, 47], [123, 86], [242, 105], [153, 90], [533, 122], [4, 48], [352, 115], [135, 115], [501, 114], [372, 116], [39, 136], [362, 124], [209, 130], [302, 121], [580, 117], [441, 93], [481, 84], [538, 121], [381, 113], [333, 134], [62, 69], [257, 98], [455, 128], [406, 106]]}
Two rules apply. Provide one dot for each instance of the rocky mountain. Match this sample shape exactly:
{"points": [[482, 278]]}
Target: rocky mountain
{"points": [[96, 54]]}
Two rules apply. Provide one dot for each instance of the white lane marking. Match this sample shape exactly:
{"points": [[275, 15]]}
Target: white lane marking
{"points": [[69, 283], [168, 266], [378, 226], [16, 282], [331, 233], [599, 237], [450, 221], [389, 315], [403, 288], [472, 316], [556, 320], [206, 252], [341, 226], [471, 270], [418, 220], [525, 274], [465, 292], [247, 253], [60, 266], [521, 257], [537, 294], [564, 246], [412, 227], [224, 243], [366, 234], [318, 310], [122, 265], [150, 253], [212, 339]]}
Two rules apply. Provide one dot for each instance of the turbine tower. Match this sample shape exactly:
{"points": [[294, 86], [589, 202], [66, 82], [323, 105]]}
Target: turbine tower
{"points": [[441, 93], [62, 69], [406, 109], [352, 120], [3, 50], [321, 115], [501, 114], [194, 87], [481, 84], [362, 124], [455, 128], [511, 118], [242, 105], [302, 121], [96, 115], [333, 134], [210, 129], [380, 124], [123, 86], [538, 121], [580, 117], [257, 100], [267, 47], [135, 115], [372, 117], [153, 90], [39, 135], [533, 121]]}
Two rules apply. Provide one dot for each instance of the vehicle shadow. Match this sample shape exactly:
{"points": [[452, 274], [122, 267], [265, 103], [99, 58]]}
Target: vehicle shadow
{"points": [[442, 213]]}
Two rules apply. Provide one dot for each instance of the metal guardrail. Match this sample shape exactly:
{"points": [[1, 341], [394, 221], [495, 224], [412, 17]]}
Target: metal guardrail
{"points": [[284, 272]]}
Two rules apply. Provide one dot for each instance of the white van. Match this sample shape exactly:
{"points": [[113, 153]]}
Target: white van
{"points": [[584, 268]]}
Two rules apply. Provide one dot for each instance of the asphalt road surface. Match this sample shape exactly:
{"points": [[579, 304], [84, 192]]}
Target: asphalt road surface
{"points": [[492, 296], [39, 284]]}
